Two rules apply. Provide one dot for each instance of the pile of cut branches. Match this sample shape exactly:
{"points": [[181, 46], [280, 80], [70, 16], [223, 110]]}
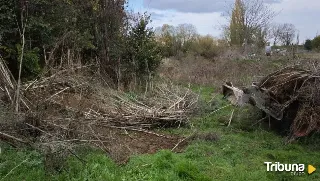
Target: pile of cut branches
{"points": [[69, 107], [289, 97], [83, 96], [293, 95], [7, 83]]}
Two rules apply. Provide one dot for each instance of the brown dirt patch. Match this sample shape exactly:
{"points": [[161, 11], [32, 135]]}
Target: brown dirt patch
{"points": [[127, 143], [66, 110]]}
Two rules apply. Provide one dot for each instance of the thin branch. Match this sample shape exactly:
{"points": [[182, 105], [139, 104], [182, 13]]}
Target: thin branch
{"points": [[12, 137], [230, 119]]}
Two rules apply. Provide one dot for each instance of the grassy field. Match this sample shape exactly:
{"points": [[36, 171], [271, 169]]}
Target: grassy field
{"points": [[238, 152]]}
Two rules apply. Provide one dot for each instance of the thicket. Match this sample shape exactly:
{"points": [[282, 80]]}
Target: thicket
{"points": [[64, 33], [184, 39]]}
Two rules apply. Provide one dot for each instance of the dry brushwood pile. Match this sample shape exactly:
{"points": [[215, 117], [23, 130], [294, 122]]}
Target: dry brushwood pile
{"points": [[289, 97], [293, 95], [69, 108]]}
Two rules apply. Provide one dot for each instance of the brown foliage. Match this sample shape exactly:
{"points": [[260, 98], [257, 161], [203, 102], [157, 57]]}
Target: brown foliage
{"points": [[294, 86], [69, 108]]}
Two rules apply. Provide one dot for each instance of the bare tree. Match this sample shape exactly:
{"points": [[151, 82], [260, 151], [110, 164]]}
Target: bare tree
{"points": [[275, 32], [257, 16], [249, 17], [298, 38], [186, 32], [22, 30], [178, 39], [287, 33], [283, 33]]}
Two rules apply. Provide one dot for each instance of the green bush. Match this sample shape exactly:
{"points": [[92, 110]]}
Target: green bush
{"points": [[316, 43], [205, 46], [308, 45], [30, 62]]}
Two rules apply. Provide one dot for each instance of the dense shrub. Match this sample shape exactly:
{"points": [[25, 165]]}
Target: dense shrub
{"points": [[31, 62], [316, 43], [205, 46], [308, 45]]}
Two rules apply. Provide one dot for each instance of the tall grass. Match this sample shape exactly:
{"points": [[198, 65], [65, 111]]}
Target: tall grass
{"points": [[240, 70]]}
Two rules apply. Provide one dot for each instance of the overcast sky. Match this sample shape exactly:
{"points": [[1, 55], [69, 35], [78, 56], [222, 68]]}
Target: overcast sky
{"points": [[206, 15]]}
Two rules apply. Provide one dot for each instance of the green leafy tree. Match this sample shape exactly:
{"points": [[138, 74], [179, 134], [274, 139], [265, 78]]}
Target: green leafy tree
{"points": [[308, 45], [61, 33], [9, 36], [31, 58], [237, 24], [144, 51], [316, 43]]}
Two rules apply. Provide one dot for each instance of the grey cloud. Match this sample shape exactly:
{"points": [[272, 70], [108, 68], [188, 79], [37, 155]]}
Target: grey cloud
{"points": [[193, 6], [157, 16]]}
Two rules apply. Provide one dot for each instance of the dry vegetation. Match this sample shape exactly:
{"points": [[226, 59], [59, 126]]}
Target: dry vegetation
{"points": [[64, 106], [289, 96], [230, 66], [293, 96], [75, 106]]}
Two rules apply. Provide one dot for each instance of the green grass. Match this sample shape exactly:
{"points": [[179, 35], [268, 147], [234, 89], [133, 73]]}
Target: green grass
{"points": [[238, 155]]}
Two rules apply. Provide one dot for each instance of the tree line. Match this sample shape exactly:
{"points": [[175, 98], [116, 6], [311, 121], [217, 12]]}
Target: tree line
{"points": [[313, 44], [40, 35], [65, 33], [250, 24], [184, 39]]}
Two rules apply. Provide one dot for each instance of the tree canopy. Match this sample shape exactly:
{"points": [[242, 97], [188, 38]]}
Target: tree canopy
{"points": [[64, 33]]}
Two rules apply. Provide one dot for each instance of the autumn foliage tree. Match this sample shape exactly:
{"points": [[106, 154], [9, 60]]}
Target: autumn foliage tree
{"points": [[168, 40]]}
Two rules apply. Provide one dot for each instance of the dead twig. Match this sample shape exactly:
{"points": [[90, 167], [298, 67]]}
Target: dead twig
{"points": [[219, 109], [56, 94], [12, 137], [182, 140], [230, 119]]}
